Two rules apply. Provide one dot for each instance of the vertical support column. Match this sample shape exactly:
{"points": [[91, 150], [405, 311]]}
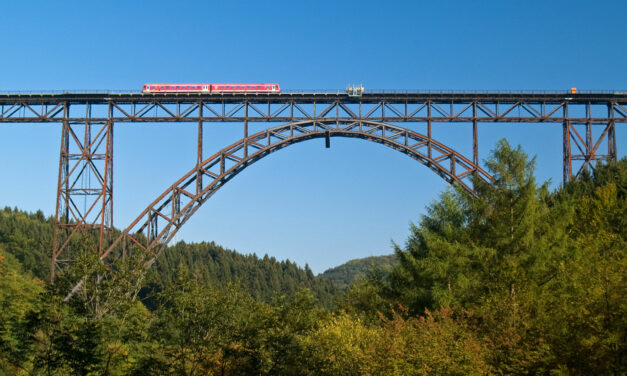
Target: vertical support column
{"points": [[589, 146], [429, 129], [475, 142], [199, 153], [566, 146], [61, 211], [611, 134], [106, 220], [245, 129]]}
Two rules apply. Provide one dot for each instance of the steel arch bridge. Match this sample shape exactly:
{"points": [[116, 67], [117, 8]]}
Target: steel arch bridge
{"points": [[588, 121]]}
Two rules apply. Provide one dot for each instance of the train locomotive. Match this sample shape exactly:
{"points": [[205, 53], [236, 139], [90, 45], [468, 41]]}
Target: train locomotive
{"points": [[211, 88]]}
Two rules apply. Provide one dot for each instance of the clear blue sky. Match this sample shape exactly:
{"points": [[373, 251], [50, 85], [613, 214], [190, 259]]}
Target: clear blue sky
{"points": [[306, 203]]}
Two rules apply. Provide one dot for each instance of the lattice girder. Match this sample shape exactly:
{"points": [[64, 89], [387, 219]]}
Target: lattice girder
{"points": [[158, 223]]}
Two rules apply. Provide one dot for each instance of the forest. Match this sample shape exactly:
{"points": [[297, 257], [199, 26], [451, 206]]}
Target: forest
{"points": [[519, 280]]}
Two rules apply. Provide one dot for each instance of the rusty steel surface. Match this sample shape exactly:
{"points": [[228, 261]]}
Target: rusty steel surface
{"points": [[588, 121], [160, 221], [392, 107]]}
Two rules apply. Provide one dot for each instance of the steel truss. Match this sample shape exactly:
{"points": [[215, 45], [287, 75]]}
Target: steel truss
{"points": [[85, 188], [86, 164], [160, 221]]}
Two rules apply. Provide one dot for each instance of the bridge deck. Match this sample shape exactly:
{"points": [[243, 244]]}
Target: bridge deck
{"points": [[310, 97], [121, 107]]}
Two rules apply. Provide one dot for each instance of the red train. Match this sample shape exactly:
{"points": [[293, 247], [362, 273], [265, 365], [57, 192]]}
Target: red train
{"points": [[211, 88]]}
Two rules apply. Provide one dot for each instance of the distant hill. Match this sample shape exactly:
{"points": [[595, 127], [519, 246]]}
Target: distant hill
{"points": [[264, 278], [345, 274], [28, 237]]}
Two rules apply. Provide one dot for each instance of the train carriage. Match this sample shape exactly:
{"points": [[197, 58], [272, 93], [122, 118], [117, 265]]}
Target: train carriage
{"points": [[212, 88]]}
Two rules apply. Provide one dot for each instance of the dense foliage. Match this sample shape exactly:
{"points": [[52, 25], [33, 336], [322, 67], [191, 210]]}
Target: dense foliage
{"points": [[28, 237], [517, 281], [543, 274], [263, 278], [344, 275]]}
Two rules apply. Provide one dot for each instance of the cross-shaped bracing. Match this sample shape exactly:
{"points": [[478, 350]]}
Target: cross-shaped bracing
{"points": [[583, 146], [85, 187], [160, 221]]}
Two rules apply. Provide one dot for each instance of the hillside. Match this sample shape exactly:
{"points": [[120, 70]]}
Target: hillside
{"points": [[27, 237], [344, 275], [263, 278]]}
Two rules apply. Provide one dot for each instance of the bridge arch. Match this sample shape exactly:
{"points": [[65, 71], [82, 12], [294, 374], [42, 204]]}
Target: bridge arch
{"points": [[162, 219]]}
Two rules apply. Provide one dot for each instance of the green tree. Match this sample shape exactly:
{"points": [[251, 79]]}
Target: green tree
{"points": [[18, 296], [520, 259]]}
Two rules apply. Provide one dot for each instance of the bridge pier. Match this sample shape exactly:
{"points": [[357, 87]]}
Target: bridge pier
{"points": [[84, 189], [582, 141]]}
